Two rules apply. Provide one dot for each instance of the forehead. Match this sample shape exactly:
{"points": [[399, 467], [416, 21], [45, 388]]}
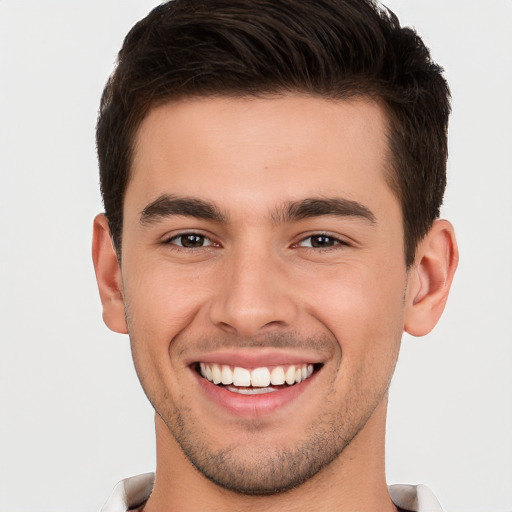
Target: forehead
{"points": [[254, 152]]}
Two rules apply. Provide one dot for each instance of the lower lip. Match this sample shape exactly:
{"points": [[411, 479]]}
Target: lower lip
{"points": [[253, 406]]}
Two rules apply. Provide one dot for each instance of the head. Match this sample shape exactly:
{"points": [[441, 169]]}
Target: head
{"points": [[272, 172], [329, 49]]}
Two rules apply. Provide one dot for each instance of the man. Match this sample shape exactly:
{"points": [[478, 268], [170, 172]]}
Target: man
{"points": [[272, 173]]}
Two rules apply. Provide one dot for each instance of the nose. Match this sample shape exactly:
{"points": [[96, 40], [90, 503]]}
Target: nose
{"points": [[254, 294]]}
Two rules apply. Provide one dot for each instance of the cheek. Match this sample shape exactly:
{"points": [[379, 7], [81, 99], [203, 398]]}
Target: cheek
{"points": [[159, 305], [161, 300], [364, 310]]}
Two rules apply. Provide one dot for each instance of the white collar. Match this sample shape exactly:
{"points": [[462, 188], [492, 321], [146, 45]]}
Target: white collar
{"points": [[133, 492], [415, 498]]}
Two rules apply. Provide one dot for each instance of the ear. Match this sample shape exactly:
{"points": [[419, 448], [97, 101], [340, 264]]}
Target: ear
{"points": [[108, 276], [430, 279]]}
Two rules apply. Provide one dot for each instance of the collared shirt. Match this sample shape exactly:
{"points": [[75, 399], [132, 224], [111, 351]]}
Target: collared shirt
{"points": [[132, 493]]}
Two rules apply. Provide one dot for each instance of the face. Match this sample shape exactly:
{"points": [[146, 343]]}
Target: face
{"points": [[263, 277]]}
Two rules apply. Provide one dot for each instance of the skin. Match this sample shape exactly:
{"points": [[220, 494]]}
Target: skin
{"points": [[257, 287]]}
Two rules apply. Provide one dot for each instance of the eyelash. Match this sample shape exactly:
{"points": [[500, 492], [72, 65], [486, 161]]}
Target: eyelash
{"points": [[172, 241], [334, 241]]}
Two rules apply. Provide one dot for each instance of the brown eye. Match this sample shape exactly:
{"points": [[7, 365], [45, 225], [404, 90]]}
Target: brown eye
{"points": [[319, 241], [190, 241], [322, 241]]}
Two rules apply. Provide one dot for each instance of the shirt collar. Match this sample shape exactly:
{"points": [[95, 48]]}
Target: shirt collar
{"points": [[133, 492]]}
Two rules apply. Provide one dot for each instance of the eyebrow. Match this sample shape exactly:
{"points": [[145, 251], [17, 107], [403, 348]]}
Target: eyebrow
{"points": [[317, 207], [168, 205]]}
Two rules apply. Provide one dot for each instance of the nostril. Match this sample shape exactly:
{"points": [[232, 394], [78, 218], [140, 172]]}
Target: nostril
{"points": [[227, 327]]}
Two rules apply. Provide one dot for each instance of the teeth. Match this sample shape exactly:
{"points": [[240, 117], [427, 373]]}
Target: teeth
{"points": [[260, 377], [226, 375], [277, 376], [216, 374], [257, 378], [251, 391], [290, 375], [241, 377]]}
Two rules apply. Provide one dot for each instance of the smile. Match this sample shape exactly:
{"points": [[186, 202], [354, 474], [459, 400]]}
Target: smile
{"points": [[257, 380]]}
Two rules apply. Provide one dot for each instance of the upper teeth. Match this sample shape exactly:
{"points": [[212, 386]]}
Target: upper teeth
{"points": [[257, 377]]}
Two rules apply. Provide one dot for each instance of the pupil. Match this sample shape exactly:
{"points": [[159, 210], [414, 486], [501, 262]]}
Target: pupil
{"points": [[321, 241], [192, 240]]}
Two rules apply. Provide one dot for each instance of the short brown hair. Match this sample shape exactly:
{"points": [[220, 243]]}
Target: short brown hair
{"points": [[331, 48]]}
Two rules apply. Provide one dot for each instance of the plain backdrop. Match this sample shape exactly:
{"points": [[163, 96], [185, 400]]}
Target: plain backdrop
{"points": [[73, 419]]}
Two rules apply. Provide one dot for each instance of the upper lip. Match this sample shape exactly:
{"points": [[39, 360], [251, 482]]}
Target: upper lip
{"points": [[256, 358]]}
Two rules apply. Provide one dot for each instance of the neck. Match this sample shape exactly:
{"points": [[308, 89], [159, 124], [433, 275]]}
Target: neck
{"points": [[353, 481]]}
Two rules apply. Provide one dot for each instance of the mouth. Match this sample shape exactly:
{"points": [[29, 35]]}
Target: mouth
{"points": [[256, 381]]}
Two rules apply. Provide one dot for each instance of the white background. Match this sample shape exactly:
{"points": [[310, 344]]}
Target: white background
{"points": [[73, 420]]}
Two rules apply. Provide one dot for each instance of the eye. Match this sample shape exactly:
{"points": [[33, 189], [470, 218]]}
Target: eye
{"points": [[190, 241], [320, 241]]}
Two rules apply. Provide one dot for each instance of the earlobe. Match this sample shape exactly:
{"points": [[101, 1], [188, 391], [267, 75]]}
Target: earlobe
{"points": [[108, 276], [430, 279]]}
